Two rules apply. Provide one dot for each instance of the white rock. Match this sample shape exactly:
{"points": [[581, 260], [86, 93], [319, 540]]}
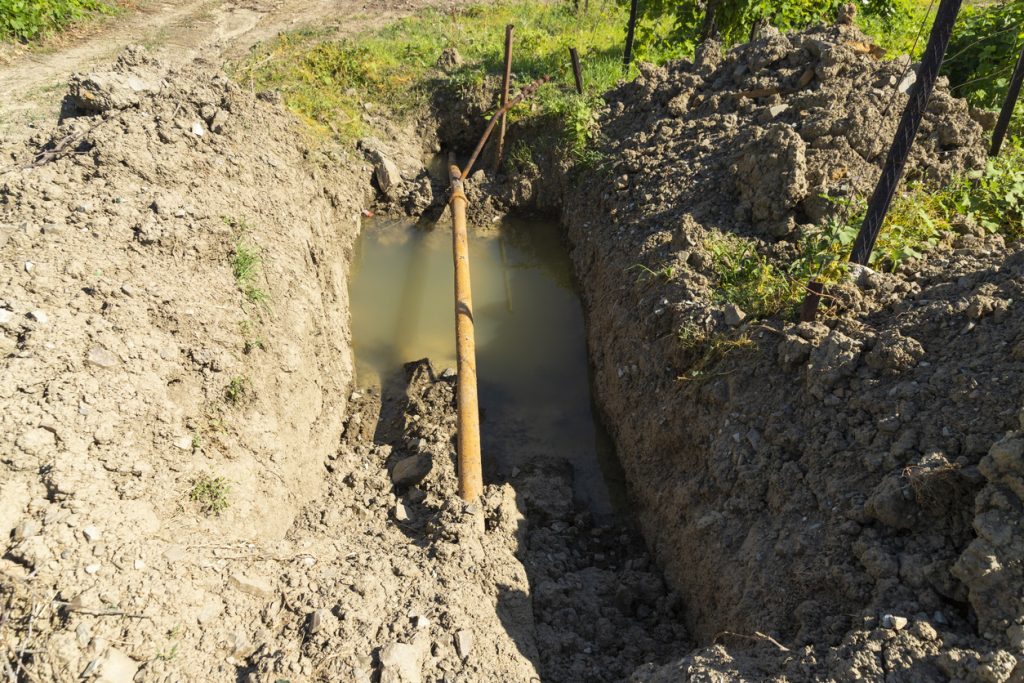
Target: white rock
{"points": [[26, 529], [198, 130], [139, 564], [101, 357], [39, 316], [400, 663], [29, 266], [893, 622], [184, 443], [117, 667], [908, 80], [253, 585], [464, 643], [401, 514], [92, 568], [5, 316], [91, 533]]}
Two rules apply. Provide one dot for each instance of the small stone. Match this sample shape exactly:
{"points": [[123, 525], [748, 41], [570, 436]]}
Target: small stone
{"points": [[92, 568], [401, 514], [387, 174], [39, 316], [198, 130], [893, 622], [777, 109], [317, 620], [139, 564], [416, 495], [26, 529], [420, 622], [253, 585], [101, 357], [412, 470], [91, 533], [400, 663], [117, 667], [734, 315], [447, 373], [184, 443], [219, 120], [29, 266], [5, 316], [464, 643], [908, 80]]}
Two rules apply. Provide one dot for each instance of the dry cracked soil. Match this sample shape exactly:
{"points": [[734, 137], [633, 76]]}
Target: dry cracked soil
{"points": [[837, 500]]}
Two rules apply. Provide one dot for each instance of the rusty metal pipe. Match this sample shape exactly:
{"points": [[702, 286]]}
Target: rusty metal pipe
{"points": [[471, 482], [504, 94], [523, 94]]}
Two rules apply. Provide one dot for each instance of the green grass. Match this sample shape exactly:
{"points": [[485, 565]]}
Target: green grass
{"points": [[920, 218], [26, 20], [328, 81], [212, 494], [246, 262]]}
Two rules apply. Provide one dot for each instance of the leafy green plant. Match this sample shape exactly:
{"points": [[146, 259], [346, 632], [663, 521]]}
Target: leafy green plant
{"points": [[994, 197], [749, 279], [29, 19], [211, 493], [986, 41], [237, 389]]}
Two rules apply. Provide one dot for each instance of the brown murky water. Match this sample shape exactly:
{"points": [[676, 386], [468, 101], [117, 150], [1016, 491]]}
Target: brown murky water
{"points": [[532, 365]]}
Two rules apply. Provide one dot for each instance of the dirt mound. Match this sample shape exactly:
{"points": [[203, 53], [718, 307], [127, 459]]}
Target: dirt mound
{"points": [[172, 267], [826, 485], [776, 128]]}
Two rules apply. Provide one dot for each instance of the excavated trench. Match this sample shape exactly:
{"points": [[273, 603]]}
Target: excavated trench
{"points": [[534, 379], [354, 570]]}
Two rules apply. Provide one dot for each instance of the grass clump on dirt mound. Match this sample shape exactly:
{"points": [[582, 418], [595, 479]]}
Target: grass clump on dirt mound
{"points": [[211, 494], [29, 19], [331, 82], [985, 201]]}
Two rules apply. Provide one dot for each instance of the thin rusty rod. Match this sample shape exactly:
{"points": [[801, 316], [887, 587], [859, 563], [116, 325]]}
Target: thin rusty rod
{"points": [[470, 472], [576, 73], [504, 93], [523, 94], [1006, 113]]}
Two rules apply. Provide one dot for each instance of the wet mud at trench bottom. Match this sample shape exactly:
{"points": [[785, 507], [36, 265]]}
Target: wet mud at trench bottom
{"points": [[532, 368]]}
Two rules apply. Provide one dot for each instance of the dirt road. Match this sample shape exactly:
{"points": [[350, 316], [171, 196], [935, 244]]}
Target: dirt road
{"points": [[175, 32]]}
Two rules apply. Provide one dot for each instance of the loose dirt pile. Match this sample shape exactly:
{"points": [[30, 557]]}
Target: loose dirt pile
{"points": [[851, 488], [139, 368]]}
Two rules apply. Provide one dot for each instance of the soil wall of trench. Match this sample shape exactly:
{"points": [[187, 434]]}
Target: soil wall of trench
{"points": [[850, 488]]}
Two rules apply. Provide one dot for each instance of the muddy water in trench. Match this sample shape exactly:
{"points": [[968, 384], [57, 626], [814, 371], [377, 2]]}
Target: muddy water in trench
{"points": [[531, 348]]}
